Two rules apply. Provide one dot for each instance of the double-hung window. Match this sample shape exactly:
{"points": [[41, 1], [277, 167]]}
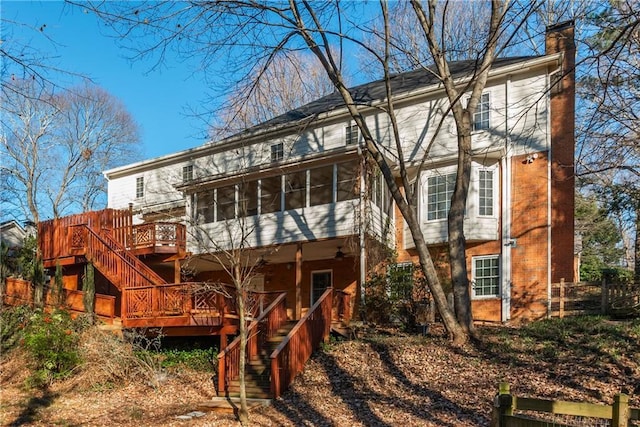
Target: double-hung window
{"points": [[187, 173], [139, 187], [481, 115], [485, 192], [439, 192], [400, 281], [352, 134], [486, 276], [277, 152]]}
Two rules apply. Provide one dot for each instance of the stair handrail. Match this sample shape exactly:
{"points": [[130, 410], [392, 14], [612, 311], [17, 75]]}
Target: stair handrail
{"points": [[131, 259], [275, 315], [288, 359], [114, 248]]}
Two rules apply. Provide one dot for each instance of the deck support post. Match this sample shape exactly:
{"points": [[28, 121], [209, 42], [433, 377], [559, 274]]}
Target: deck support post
{"points": [[297, 314], [223, 341], [176, 271]]}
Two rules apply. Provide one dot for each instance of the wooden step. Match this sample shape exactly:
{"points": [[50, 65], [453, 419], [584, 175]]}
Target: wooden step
{"points": [[252, 395], [258, 378]]}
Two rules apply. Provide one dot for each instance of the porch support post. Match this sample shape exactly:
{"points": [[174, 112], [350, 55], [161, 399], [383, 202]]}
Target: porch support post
{"points": [[176, 271], [223, 341], [297, 313]]}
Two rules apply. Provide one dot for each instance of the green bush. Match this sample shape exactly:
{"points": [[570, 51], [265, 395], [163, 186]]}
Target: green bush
{"points": [[199, 359], [52, 343], [12, 323]]}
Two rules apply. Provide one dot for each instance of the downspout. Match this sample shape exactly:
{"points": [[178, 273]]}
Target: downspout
{"points": [[505, 265]]}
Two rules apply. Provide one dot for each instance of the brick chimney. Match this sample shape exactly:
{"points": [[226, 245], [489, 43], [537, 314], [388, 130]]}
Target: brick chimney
{"points": [[560, 38]]}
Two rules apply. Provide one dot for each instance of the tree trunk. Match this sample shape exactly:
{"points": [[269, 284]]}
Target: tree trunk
{"points": [[637, 246], [455, 222], [89, 290], [243, 413], [458, 333]]}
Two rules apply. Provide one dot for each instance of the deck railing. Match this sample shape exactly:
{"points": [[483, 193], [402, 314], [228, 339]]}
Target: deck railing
{"points": [[264, 327], [19, 292], [53, 235], [288, 359], [111, 258], [159, 234]]}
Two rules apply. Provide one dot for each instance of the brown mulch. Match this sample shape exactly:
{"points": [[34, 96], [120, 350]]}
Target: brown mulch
{"points": [[380, 380]]}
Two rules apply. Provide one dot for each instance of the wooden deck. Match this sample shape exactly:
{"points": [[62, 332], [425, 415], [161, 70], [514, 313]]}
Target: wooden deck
{"points": [[141, 298], [57, 238]]}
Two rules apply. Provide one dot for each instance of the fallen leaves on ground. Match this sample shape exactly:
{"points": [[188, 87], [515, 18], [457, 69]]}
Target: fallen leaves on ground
{"points": [[379, 380]]}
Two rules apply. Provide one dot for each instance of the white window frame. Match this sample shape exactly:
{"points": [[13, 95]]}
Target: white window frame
{"points": [[314, 272], [493, 190], [474, 273], [483, 109], [406, 267], [351, 134], [277, 152], [187, 173], [448, 194], [139, 187]]}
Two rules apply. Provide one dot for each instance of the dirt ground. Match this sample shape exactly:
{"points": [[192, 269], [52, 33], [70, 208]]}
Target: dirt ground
{"points": [[380, 380]]}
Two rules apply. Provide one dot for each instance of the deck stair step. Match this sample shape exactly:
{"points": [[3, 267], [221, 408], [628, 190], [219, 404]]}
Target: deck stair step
{"points": [[258, 369]]}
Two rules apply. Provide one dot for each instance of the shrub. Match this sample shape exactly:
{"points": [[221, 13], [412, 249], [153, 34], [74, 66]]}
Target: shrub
{"points": [[12, 323], [198, 359], [52, 343]]}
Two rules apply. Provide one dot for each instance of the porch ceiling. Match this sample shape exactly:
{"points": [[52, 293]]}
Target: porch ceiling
{"points": [[286, 253]]}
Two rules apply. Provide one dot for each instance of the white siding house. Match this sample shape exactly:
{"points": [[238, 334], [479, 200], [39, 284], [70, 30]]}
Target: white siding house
{"points": [[296, 182]]}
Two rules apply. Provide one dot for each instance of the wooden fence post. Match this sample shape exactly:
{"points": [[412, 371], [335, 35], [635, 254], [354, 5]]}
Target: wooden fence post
{"points": [[561, 308], [503, 405], [604, 309], [620, 410]]}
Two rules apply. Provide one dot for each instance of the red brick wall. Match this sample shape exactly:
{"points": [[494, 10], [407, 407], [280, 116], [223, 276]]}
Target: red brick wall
{"points": [[529, 225], [560, 38]]}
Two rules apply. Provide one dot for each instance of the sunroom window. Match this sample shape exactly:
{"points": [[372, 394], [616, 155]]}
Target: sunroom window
{"points": [[295, 190], [226, 203], [270, 194], [321, 185]]}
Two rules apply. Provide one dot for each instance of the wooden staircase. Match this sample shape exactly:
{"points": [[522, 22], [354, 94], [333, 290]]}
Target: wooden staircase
{"points": [[112, 259], [257, 374], [276, 349]]}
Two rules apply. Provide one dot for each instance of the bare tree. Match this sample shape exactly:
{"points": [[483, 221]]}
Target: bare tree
{"points": [[55, 146], [252, 34], [291, 80], [230, 251]]}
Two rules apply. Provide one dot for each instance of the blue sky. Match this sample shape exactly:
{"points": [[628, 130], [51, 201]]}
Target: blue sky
{"points": [[159, 100]]}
